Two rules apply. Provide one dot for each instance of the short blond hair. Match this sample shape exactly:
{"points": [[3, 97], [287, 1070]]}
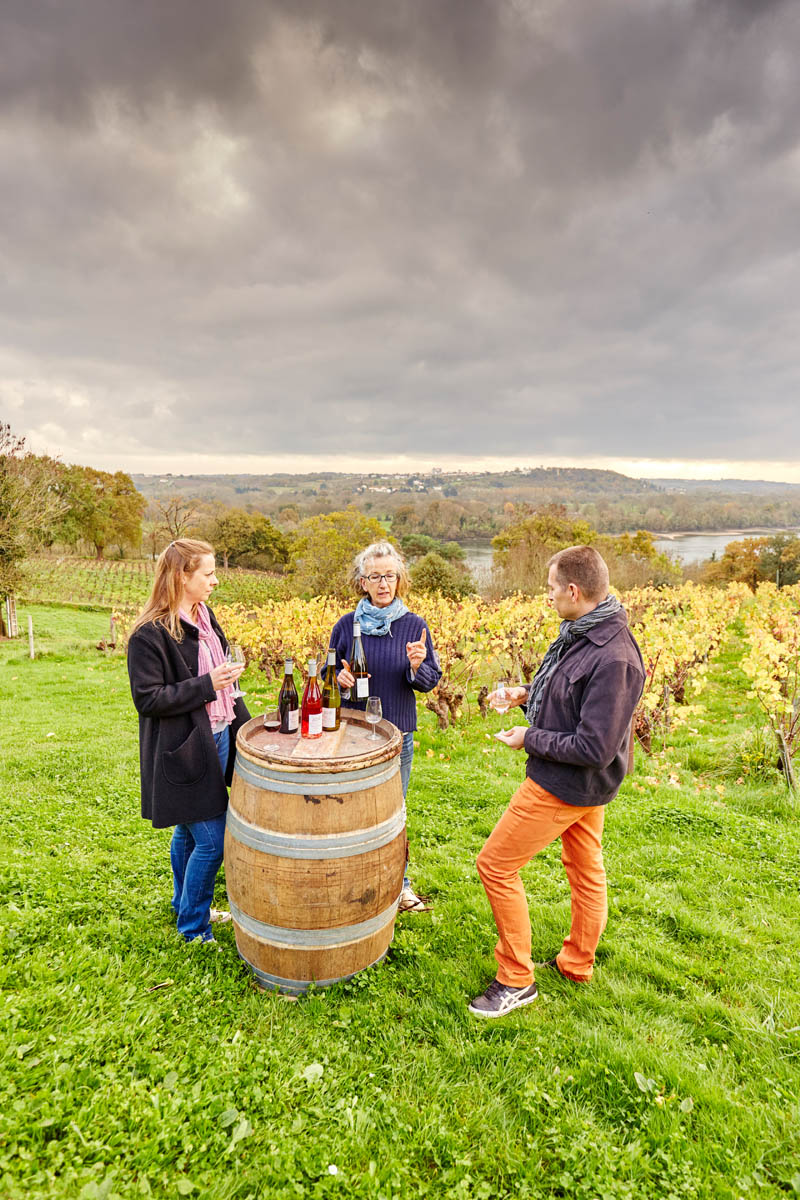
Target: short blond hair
{"points": [[379, 550]]}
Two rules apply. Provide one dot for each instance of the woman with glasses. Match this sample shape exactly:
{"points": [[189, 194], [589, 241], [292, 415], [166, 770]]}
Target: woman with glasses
{"points": [[399, 652]]}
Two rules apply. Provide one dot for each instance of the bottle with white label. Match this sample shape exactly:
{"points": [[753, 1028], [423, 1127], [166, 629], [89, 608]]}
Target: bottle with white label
{"points": [[288, 704], [311, 709], [358, 665], [331, 696]]}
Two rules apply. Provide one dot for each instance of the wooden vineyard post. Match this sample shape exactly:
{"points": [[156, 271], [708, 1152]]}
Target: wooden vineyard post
{"points": [[12, 626]]}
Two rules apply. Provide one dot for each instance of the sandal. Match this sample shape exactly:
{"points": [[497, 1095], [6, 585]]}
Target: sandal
{"points": [[410, 902]]}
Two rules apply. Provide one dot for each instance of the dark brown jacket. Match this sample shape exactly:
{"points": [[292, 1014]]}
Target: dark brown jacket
{"points": [[578, 748], [181, 776]]}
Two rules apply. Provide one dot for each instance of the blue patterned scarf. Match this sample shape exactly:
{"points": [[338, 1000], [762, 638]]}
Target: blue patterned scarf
{"points": [[377, 621], [569, 633]]}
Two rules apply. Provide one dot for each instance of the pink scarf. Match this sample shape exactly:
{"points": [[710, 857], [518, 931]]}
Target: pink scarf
{"points": [[210, 655]]}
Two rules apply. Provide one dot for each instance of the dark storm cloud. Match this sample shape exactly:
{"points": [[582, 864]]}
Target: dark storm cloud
{"points": [[420, 227]]}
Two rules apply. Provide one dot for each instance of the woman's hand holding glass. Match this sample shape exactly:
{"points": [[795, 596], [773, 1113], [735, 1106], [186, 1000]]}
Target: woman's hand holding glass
{"points": [[237, 661], [225, 675]]}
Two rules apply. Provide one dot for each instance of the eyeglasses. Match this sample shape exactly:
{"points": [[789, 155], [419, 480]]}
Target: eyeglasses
{"points": [[390, 577]]}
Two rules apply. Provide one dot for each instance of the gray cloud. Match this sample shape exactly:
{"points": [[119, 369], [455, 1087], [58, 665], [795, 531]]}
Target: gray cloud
{"points": [[466, 226]]}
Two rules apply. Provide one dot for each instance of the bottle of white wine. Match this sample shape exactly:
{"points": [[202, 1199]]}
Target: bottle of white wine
{"points": [[358, 664], [331, 696]]}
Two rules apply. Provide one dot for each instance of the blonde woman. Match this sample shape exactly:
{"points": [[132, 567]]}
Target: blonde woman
{"points": [[182, 688], [399, 652]]}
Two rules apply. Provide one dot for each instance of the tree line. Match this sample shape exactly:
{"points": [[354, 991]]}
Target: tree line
{"points": [[774, 558], [45, 504], [480, 506]]}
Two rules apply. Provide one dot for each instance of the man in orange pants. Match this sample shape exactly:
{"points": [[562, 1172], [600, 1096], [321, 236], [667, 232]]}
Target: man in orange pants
{"points": [[579, 707]]}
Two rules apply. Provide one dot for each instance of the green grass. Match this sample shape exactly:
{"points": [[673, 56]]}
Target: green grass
{"points": [[135, 1065]]}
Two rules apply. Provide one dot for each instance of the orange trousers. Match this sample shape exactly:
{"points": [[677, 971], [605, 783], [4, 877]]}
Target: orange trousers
{"points": [[533, 820]]}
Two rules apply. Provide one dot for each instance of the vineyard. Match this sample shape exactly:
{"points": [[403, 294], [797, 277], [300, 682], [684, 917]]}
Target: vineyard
{"points": [[680, 632], [125, 583]]}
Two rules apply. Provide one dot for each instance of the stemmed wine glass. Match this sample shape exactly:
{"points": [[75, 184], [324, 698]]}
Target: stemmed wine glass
{"points": [[502, 702], [374, 714], [235, 655]]}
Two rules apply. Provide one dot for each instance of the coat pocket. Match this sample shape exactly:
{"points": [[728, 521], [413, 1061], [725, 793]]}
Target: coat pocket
{"points": [[186, 764]]}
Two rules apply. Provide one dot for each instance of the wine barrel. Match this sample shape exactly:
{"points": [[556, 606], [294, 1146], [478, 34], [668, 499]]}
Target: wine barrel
{"points": [[315, 850]]}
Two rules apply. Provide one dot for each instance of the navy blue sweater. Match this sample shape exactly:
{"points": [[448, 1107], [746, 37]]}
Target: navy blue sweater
{"points": [[389, 668]]}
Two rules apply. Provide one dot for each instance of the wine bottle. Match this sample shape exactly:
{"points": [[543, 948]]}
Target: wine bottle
{"points": [[358, 664], [288, 705], [331, 695], [311, 710]]}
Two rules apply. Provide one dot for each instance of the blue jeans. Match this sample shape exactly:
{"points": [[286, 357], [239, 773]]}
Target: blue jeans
{"points": [[196, 853], [406, 758]]}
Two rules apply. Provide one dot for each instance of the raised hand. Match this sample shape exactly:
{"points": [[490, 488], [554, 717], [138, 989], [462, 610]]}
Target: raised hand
{"points": [[417, 651]]}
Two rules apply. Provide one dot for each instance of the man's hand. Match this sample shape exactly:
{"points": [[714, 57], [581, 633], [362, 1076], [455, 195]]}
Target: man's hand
{"points": [[417, 652], [512, 696], [513, 738]]}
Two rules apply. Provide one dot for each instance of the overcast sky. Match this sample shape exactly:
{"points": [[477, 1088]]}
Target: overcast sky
{"points": [[265, 233]]}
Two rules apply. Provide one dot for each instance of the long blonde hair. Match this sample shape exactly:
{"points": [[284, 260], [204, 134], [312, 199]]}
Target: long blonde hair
{"points": [[181, 557]]}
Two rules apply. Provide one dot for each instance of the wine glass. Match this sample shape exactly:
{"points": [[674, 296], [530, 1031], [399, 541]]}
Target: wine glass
{"points": [[502, 702], [272, 720], [272, 724], [236, 656], [374, 714]]}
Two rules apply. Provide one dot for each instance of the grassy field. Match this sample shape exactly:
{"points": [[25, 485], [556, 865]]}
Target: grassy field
{"points": [[134, 1065]]}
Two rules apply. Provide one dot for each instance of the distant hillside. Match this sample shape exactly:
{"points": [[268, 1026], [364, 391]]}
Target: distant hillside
{"points": [[731, 487], [559, 481], [477, 505]]}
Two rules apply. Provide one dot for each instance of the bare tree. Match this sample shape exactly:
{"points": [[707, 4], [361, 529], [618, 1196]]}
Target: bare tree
{"points": [[177, 515]]}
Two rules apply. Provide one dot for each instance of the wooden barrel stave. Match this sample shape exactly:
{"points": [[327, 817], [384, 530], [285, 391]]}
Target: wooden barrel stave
{"points": [[315, 893], [294, 971], [306, 813]]}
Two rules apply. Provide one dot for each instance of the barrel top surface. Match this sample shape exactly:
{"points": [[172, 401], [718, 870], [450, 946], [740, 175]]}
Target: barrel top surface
{"points": [[350, 747]]}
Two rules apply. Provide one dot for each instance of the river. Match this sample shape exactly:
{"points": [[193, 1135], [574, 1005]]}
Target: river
{"points": [[685, 547], [697, 547], [478, 560]]}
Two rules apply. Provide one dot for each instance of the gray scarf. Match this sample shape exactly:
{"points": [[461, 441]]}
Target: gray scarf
{"points": [[569, 633]]}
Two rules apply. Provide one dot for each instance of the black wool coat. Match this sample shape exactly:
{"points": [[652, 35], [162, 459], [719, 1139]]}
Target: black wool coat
{"points": [[181, 776]]}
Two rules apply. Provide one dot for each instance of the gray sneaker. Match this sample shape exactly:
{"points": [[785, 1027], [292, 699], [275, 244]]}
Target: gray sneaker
{"points": [[499, 999]]}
